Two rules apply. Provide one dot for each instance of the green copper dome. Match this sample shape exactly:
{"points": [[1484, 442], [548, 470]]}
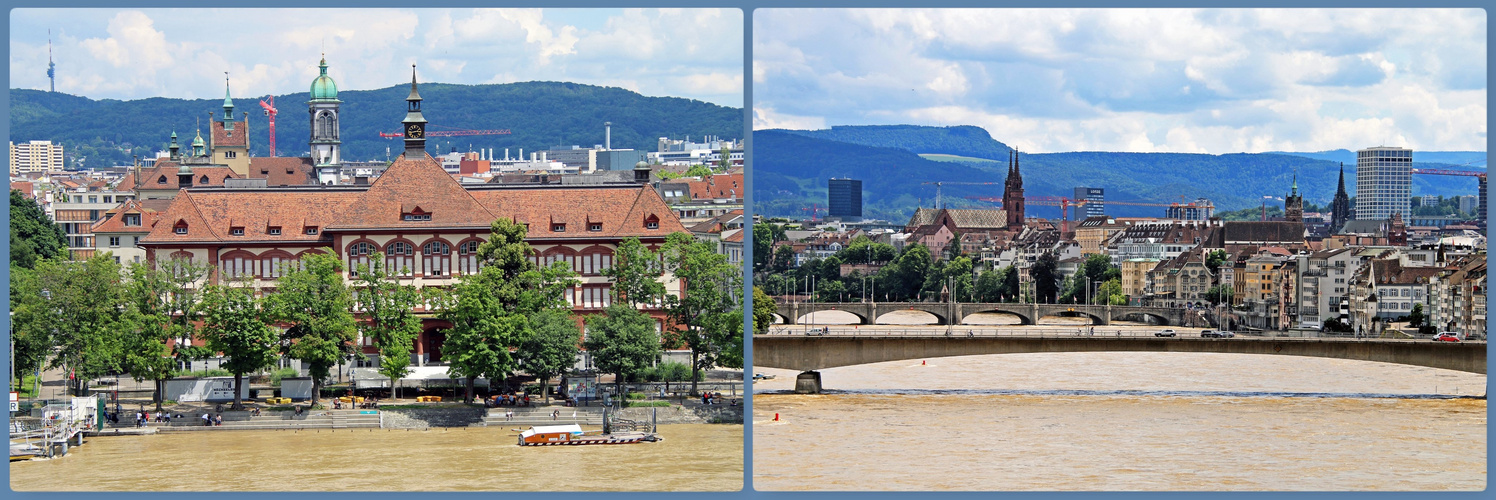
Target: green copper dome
{"points": [[323, 87]]}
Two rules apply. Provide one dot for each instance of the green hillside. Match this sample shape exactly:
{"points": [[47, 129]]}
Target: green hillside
{"points": [[791, 168], [540, 115]]}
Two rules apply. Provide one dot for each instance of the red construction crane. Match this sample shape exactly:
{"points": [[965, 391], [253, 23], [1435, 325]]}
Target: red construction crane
{"points": [[1480, 178], [448, 133], [270, 112], [813, 209]]}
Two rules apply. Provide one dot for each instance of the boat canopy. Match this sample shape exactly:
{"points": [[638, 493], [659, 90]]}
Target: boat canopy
{"points": [[553, 429]]}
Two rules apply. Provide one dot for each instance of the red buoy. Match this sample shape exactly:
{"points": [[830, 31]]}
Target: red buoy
{"points": [[921, 362], [776, 417]]}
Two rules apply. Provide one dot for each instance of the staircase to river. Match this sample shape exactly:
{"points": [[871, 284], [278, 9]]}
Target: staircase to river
{"points": [[541, 415]]}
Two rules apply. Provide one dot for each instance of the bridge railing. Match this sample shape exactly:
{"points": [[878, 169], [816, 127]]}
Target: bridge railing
{"points": [[959, 331]]}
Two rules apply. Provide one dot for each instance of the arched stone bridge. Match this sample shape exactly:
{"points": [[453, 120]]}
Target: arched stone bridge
{"points": [[948, 313], [810, 353]]}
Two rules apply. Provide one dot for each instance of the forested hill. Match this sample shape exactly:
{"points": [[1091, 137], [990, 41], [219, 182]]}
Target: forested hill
{"points": [[540, 115], [791, 168], [964, 140]]}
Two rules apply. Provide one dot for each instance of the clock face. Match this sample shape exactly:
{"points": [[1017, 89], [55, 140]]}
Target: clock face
{"points": [[413, 131]]}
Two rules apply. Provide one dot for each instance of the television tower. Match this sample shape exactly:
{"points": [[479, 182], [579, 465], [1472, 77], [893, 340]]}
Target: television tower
{"points": [[51, 71]]}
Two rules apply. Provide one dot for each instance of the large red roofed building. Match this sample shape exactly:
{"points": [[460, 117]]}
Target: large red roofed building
{"points": [[426, 223]]}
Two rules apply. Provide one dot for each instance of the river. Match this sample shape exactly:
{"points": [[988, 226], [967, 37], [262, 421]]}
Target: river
{"points": [[693, 457], [1125, 421]]}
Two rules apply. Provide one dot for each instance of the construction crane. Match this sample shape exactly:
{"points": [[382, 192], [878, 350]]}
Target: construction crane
{"points": [[1066, 204], [1480, 177], [940, 183], [449, 133], [270, 112], [813, 209]]}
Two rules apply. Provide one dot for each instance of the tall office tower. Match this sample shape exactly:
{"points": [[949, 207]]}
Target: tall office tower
{"points": [[844, 198], [1384, 182], [1095, 199]]}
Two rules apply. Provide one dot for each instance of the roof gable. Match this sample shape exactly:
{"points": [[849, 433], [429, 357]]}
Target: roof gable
{"points": [[410, 182]]}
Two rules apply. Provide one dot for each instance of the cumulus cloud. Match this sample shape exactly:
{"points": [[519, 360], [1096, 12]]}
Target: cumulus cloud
{"points": [[1184, 80], [137, 53]]}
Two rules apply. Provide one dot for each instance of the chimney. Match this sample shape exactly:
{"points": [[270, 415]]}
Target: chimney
{"points": [[608, 136], [506, 154]]}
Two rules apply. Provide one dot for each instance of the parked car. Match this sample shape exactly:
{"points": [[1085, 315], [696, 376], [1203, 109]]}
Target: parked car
{"points": [[1165, 333], [1448, 337], [1217, 334]]}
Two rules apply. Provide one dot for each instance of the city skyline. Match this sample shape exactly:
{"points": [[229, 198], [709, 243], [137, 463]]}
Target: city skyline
{"points": [[139, 53], [1142, 80]]}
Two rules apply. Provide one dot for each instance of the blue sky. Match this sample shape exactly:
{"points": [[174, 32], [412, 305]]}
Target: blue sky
{"points": [[1143, 80], [138, 53]]}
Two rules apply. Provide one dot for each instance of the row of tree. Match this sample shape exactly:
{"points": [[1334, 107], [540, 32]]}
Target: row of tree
{"points": [[92, 317], [914, 274]]}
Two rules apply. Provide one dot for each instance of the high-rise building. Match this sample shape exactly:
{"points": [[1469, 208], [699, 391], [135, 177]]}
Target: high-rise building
{"points": [[35, 156], [1468, 203], [1200, 209], [844, 198], [1384, 182], [1095, 199]]}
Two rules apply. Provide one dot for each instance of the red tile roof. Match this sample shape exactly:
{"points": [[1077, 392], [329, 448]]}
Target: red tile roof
{"points": [[717, 186], [622, 210], [114, 220], [239, 136], [151, 178], [27, 189], [279, 171], [210, 214], [416, 183]]}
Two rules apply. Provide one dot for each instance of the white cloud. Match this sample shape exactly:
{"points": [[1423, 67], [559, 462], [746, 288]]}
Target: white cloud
{"points": [[765, 118], [1185, 80], [137, 53]]}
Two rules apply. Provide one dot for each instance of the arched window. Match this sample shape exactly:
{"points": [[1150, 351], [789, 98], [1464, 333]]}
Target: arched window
{"points": [[436, 259], [467, 257], [238, 264], [358, 256], [274, 264], [399, 258]]}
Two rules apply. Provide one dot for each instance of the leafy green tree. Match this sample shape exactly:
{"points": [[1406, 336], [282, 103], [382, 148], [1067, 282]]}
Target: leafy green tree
{"points": [[911, 269], [784, 258], [622, 341], [724, 160], [235, 325], [1110, 292], [763, 310], [75, 309], [33, 235], [1046, 276], [1214, 259], [312, 299], [698, 171], [31, 334], [830, 291], [697, 316], [636, 274], [1219, 294], [389, 307], [1416, 318], [163, 309], [727, 332], [671, 371], [763, 247], [552, 348], [489, 309]]}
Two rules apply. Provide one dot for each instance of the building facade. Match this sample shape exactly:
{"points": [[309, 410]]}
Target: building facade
{"points": [[844, 198], [35, 156], [1384, 179], [1095, 199]]}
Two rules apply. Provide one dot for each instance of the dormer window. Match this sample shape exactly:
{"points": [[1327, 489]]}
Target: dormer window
{"points": [[651, 222], [181, 229], [595, 226], [417, 217], [162, 180], [273, 230], [203, 180], [311, 230], [236, 231], [558, 228], [132, 219]]}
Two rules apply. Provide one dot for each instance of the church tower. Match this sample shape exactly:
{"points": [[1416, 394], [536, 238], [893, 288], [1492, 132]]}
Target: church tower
{"points": [[1293, 204], [229, 139], [414, 123], [1013, 194], [323, 109], [1340, 209]]}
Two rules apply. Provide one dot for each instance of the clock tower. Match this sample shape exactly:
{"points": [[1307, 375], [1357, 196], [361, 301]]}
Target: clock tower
{"points": [[414, 124]]}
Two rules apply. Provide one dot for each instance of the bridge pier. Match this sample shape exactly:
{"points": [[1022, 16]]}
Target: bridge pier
{"points": [[808, 382]]}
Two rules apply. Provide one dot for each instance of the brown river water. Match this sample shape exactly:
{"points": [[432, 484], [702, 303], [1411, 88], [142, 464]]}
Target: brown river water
{"points": [[693, 457], [1122, 422]]}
